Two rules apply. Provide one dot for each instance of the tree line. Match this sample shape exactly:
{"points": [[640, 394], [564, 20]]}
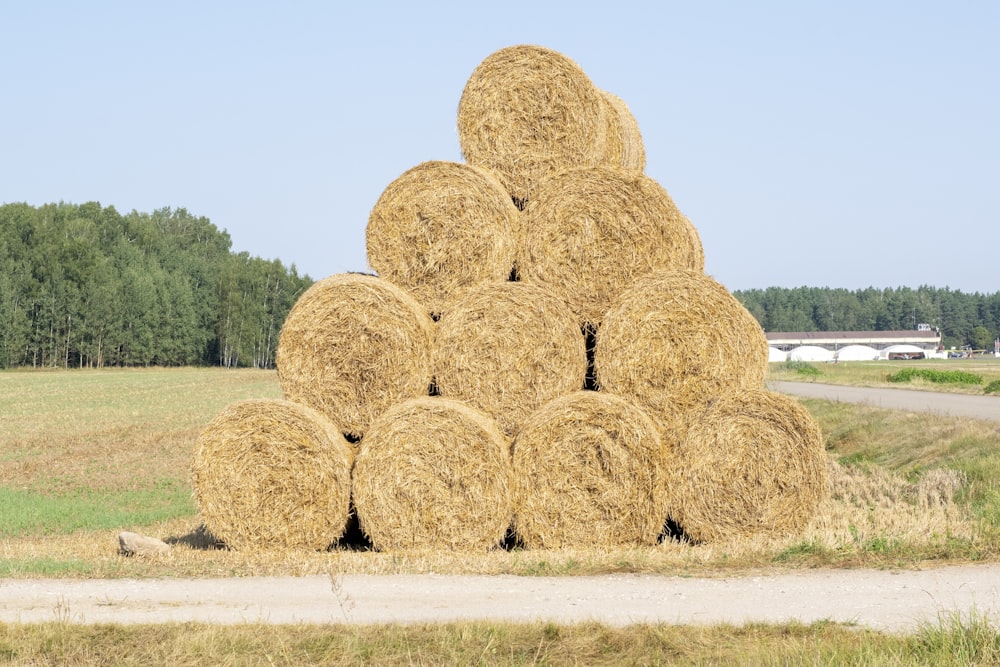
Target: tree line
{"points": [[86, 286], [963, 319]]}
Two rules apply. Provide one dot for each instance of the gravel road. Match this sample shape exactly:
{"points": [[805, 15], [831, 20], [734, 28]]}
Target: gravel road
{"points": [[958, 405], [883, 600]]}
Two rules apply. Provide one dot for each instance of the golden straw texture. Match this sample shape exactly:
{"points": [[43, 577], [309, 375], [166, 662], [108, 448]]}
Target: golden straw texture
{"points": [[442, 227], [753, 462], [588, 471], [589, 233], [624, 144], [433, 473], [272, 474], [675, 340], [507, 348], [527, 112], [352, 346]]}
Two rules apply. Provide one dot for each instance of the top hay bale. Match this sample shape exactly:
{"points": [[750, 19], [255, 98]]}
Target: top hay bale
{"points": [[352, 346], [270, 473], [527, 112], [677, 339], [624, 143], [590, 232], [441, 227]]}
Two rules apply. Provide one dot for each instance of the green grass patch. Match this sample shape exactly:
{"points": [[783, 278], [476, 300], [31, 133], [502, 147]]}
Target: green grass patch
{"points": [[992, 388], [45, 567], [936, 376], [29, 512], [801, 368]]}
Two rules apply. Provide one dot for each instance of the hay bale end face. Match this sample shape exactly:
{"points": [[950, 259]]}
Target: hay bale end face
{"points": [[506, 349], [588, 471], [590, 233], [442, 227], [272, 474], [432, 473], [677, 339], [752, 463], [352, 346], [527, 112]]}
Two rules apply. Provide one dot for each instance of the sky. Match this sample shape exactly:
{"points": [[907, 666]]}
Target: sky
{"points": [[845, 144]]}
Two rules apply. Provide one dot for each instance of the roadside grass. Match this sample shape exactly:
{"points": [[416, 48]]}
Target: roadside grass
{"points": [[86, 454], [952, 641], [923, 374]]}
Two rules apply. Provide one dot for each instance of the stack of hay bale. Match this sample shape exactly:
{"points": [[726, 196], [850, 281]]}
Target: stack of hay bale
{"points": [[540, 354]]}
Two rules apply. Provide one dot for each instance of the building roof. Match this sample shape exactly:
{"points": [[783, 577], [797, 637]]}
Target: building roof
{"points": [[911, 336]]}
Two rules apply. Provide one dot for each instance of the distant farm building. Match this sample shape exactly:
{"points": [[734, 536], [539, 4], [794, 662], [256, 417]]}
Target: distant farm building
{"points": [[924, 342]]}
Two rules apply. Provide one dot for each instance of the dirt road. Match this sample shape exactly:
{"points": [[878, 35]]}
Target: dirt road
{"points": [[883, 600], [958, 405]]}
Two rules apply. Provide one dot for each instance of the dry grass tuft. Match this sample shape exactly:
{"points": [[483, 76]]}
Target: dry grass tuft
{"points": [[433, 473], [624, 147], [272, 473], [588, 471], [753, 462], [442, 227], [677, 339], [352, 346], [590, 233], [527, 112], [507, 348]]}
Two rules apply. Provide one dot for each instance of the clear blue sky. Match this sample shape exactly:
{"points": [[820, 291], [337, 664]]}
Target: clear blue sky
{"points": [[828, 144]]}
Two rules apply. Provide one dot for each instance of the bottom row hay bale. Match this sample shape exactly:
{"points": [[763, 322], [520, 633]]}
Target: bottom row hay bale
{"points": [[588, 471], [752, 462], [271, 473], [433, 473]]}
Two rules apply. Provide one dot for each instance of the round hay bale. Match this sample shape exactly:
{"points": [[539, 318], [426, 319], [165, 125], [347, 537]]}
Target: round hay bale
{"points": [[506, 349], [589, 233], [269, 473], [677, 339], [433, 473], [588, 471], [352, 346], [753, 462], [441, 227], [527, 112], [624, 143]]}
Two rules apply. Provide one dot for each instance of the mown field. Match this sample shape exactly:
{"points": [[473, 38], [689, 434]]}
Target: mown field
{"points": [[86, 454]]}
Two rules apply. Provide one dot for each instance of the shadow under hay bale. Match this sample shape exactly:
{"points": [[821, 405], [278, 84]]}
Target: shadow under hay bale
{"points": [[752, 463], [527, 112], [270, 473], [588, 471], [624, 142], [442, 227], [677, 339], [352, 346], [433, 473], [507, 348], [590, 233]]}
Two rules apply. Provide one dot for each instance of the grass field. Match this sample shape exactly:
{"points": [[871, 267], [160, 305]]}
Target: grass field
{"points": [[877, 373], [86, 454]]}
